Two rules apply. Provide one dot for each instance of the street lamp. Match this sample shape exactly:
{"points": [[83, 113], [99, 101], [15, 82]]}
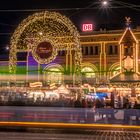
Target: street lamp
{"points": [[7, 47], [104, 2]]}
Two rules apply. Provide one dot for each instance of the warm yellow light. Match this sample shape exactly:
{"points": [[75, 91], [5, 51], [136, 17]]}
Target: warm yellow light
{"points": [[45, 26]]}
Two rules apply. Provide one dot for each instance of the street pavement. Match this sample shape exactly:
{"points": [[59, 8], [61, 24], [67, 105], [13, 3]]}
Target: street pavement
{"points": [[72, 135]]}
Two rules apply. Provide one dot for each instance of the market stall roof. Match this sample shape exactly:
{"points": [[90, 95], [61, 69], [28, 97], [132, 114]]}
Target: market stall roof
{"points": [[63, 89], [126, 77]]}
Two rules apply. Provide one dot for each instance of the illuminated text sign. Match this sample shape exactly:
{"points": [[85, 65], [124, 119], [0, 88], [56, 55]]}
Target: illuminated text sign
{"points": [[87, 27]]}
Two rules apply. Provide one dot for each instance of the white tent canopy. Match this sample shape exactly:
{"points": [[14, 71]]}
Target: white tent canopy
{"points": [[62, 89]]}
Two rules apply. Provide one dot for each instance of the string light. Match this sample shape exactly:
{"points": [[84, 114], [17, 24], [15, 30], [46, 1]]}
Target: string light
{"points": [[45, 26]]}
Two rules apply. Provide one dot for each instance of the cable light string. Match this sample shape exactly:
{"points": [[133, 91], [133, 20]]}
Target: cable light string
{"points": [[128, 5], [89, 7], [97, 5]]}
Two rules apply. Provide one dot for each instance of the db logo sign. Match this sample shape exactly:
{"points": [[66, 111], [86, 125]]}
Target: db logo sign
{"points": [[87, 27]]}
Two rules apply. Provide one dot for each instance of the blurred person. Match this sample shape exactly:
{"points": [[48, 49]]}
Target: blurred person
{"points": [[84, 103], [77, 103]]}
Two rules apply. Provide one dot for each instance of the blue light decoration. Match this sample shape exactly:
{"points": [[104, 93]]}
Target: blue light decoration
{"points": [[101, 94]]}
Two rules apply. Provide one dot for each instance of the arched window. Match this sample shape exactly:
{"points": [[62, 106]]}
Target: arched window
{"points": [[116, 71], [86, 51], [110, 50], [53, 75], [91, 50], [88, 72], [96, 50]]}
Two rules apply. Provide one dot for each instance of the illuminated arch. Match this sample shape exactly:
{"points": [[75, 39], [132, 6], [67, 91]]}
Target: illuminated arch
{"points": [[53, 73], [50, 27], [52, 65], [89, 73], [114, 70], [89, 65]]}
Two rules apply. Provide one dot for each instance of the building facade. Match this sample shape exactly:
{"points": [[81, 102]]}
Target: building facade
{"points": [[101, 52], [47, 47]]}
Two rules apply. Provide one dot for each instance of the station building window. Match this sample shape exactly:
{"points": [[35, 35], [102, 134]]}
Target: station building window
{"points": [[110, 50], [86, 51], [96, 52], [88, 72], [53, 75], [91, 50]]}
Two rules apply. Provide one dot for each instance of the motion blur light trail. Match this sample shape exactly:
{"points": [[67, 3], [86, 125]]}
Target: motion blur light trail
{"points": [[67, 125]]}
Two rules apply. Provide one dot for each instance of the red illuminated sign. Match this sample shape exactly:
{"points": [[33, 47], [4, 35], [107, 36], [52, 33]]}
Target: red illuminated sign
{"points": [[44, 49], [87, 27]]}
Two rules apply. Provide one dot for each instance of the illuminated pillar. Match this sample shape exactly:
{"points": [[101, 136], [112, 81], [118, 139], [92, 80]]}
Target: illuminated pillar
{"points": [[27, 67], [102, 60], [38, 78], [104, 50], [77, 66], [67, 58], [71, 56], [69, 62], [89, 50], [12, 65]]}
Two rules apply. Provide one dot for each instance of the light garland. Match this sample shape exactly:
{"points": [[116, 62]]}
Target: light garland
{"points": [[45, 26]]}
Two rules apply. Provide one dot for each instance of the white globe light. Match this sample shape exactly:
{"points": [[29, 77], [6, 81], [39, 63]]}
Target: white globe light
{"points": [[40, 33], [7, 47], [105, 3]]}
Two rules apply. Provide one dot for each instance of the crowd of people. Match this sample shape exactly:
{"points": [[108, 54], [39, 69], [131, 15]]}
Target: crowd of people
{"points": [[22, 99]]}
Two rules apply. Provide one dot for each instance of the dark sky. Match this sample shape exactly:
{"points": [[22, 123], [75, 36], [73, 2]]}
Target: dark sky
{"points": [[111, 18]]}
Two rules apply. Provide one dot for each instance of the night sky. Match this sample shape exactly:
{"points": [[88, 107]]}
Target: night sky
{"points": [[110, 18]]}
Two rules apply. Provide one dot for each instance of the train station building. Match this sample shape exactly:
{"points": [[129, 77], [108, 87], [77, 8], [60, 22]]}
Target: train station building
{"points": [[47, 50]]}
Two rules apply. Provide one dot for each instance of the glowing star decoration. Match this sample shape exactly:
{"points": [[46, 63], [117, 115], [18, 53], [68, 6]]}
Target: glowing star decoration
{"points": [[128, 21], [87, 27]]}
